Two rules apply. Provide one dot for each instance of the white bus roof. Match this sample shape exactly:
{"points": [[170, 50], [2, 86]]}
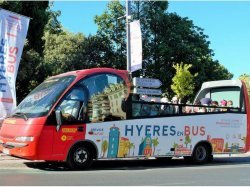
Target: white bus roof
{"points": [[222, 83]]}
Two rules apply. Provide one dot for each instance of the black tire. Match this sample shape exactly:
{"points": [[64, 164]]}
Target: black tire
{"points": [[201, 154], [80, 158]]}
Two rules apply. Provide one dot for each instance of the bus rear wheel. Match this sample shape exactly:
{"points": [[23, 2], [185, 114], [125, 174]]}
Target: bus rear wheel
{"points": [[201, 154], [80, 158]]}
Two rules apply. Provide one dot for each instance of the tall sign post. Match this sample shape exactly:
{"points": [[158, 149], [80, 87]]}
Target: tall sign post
{"points": [[128, 17], [136, 46], [134, 41], [13, 31]]}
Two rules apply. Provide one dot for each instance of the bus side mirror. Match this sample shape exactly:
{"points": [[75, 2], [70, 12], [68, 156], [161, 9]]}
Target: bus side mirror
{"points": [[58, 119]]}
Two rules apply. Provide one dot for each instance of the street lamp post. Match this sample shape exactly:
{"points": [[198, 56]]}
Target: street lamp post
{"points": [[128, 16]]}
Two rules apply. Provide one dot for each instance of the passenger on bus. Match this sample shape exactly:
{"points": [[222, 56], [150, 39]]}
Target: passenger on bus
{"points": [[230, 103], [175, 108], [196, 108], [188, 109], [214, 104], [223, 103], [154, 109], [165, 108], [205, 102]]}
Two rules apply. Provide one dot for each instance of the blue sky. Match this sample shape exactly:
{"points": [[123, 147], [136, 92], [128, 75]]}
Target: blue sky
{"points": [[227, 23]]}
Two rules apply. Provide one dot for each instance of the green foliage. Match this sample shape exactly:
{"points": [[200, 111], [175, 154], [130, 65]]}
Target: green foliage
{"points": [[187, 140], [175, 145], [183, 81], [155, 143], [98, 52], [168, 40], [39, 14], [130, 146], [104, 147], [31, 69], [246, 79], [111, 29], [30, 73], [63, 52], [54, 26]]}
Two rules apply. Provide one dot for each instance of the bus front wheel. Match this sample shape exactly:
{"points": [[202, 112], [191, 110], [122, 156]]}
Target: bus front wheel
{"points": [[79, 157], [201, 154]]}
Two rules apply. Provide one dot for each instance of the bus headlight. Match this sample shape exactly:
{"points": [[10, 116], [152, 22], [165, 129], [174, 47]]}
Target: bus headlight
{"points": [[25, 138]]}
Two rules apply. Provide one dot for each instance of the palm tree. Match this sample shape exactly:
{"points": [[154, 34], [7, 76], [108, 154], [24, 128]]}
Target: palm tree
{"points": [[104, 147], [155, 143], [187, 140], [175, 146], [131, 145]]}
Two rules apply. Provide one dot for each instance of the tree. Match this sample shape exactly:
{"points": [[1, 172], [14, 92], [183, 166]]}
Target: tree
{"points": [[131, 145], [168, 39], [187, 140], [38, 11], [175, 146], [111, 28], [104, 147], [155, 143], [183, 81], [53, 25], [31, 69], [63, 52], [98, 52], [246, 79], [30, 74]]}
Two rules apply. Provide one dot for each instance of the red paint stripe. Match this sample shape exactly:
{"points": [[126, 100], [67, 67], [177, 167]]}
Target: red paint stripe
{"points": [[12, 35], [16, 18], [248, 116]]}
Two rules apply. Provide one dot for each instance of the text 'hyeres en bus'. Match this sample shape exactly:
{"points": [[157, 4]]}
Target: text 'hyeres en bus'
{"points": [[8, 66], [163, 130]]}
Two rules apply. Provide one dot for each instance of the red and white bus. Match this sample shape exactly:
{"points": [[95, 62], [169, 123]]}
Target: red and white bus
{"points": [[86, 115]]}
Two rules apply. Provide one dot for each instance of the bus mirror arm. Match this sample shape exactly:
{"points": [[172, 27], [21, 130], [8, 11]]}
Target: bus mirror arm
{"points": [[58, 119]]}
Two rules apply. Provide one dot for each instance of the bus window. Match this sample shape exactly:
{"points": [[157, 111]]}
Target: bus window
{"points": [[232, 93], [73, 105], [106, 94]]}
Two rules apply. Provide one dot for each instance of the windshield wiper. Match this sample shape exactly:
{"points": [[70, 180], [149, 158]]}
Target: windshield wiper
{"points": [[22, 115]]}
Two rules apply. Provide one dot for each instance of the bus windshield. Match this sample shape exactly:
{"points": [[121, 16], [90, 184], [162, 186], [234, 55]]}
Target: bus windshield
{"points": [[39, 102]]}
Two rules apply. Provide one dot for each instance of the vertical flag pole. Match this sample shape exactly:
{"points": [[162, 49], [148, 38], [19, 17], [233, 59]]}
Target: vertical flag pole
{"points": [[128, 5]]}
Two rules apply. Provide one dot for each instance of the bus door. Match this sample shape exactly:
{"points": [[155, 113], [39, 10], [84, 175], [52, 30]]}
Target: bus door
{"points": [[72, 109]]}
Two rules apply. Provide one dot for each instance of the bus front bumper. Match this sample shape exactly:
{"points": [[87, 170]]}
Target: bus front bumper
{"points": [[17, 149]]}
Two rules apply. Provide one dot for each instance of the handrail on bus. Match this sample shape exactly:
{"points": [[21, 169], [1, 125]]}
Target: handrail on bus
{"points": [[180, 109]]}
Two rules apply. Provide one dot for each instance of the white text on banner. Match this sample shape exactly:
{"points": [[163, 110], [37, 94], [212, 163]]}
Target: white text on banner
{"points": [[13, 31], [136, 45]]}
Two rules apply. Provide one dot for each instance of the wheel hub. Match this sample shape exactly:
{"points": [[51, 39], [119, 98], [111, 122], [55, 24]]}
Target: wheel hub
{"points": [[80, 156], [201, 153]]}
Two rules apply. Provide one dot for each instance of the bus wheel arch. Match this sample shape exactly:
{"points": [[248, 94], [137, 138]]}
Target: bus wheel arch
{"points": [[202, 152], [81, 155]]}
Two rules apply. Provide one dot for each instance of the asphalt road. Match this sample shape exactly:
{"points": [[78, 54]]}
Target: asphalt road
{"points": [[222, 171]]}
